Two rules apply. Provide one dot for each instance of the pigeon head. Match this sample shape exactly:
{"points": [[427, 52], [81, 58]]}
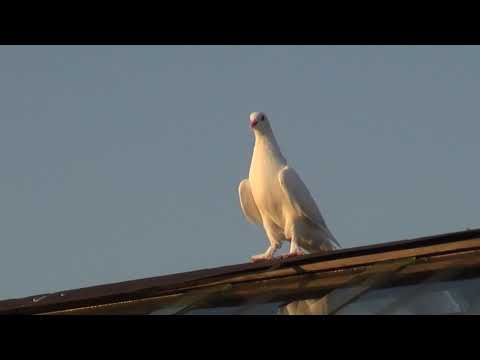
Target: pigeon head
{"points": [[259, 122]]}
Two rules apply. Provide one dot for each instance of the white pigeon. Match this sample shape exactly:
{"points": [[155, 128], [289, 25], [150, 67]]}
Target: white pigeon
{"points": [[275, 198]]}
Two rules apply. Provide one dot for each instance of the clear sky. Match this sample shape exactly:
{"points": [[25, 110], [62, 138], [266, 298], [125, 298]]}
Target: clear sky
{"points": [[122, 162]]}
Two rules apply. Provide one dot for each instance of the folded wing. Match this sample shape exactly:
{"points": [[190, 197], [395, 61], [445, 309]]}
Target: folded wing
{"points": [[301, 199], [247, 203]]}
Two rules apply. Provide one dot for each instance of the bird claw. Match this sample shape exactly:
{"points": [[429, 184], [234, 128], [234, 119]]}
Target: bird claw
{"points": [[261, 257], [293, 254]]}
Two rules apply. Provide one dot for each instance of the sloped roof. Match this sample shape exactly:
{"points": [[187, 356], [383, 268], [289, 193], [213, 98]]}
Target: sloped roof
{"points": [[276, 279]]}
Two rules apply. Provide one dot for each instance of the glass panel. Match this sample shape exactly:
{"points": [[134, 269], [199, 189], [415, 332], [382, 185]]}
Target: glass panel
{"points": [[257, 309], [445, 297], [333, 302], [382, 288], [442, 297], [189, 301]]}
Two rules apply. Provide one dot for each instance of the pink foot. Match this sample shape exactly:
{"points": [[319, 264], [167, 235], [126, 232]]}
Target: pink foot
{"points": [[293, 254], [261, 257]]}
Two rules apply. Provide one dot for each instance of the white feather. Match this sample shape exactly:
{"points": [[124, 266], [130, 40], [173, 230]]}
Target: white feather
{"points": [[248, 204]]}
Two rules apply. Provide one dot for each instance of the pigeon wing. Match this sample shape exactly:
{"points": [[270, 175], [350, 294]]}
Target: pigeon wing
{"points": [[301, 199], [247, 203]]}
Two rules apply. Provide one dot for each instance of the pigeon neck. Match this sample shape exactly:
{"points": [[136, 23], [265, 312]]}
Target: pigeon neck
{"points": [[269, 143]]}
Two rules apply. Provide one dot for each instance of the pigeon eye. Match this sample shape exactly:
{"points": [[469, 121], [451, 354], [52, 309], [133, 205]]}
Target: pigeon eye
{"points": [[262, 118]]}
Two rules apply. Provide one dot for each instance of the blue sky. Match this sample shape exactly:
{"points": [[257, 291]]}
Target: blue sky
{"points": [[122, 162]]}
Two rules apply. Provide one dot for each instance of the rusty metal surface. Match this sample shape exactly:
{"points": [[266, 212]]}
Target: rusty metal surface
{"points": [[150, 287]]}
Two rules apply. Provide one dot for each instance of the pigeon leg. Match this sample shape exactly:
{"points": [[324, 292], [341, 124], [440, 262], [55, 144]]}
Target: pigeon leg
{"points": [[295, 250], [275, 239]]}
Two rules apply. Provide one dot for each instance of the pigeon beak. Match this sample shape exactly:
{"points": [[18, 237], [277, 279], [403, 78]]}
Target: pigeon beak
{"points": [[253, 123]]}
